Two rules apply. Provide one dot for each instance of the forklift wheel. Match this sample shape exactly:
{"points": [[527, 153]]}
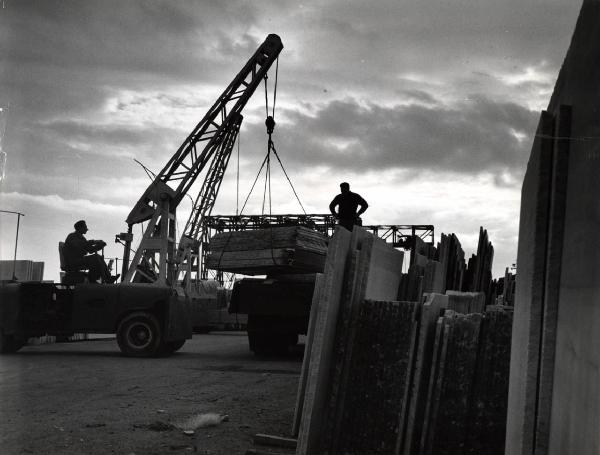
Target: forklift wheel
{"points": [[139, 335], [9, 344]]}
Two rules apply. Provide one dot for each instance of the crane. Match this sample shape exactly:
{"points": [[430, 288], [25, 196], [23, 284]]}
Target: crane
{"points": [[156, 260], [153, 318], [187, 258]]}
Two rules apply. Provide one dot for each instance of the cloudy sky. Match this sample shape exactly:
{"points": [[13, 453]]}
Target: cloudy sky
{"points": [[426, 107]]}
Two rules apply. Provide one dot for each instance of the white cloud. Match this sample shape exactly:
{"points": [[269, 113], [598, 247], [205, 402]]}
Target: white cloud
{"points": [[57, 203], [531, 74], [415, 102]]}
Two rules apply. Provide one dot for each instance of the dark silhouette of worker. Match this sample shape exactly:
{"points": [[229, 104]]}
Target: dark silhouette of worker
{"points": [[347, 203], [80, 253]]}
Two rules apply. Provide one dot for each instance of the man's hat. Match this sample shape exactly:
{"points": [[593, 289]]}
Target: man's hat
{"points": [[80, 224]]}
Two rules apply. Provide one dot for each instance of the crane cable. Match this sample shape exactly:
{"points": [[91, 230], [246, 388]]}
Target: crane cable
{"points": [[270, 124], [237, 187]]}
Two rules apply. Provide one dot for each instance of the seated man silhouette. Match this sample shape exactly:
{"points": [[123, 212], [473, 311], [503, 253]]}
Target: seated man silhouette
{"points": [[80, 253], [347, 203]]}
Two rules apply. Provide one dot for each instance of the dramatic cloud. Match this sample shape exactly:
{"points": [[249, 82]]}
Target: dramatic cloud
{"points": [[472, 136], [427, 99]]}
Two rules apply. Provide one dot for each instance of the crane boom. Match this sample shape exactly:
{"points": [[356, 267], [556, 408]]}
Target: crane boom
{"points": [[187, 261], [155, 260]]}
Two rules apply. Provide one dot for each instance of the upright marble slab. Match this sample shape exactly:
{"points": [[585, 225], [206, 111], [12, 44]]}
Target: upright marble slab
{"points": [[575, 404], [432, 308], [466, 302], [433, 280], [374, 273], [489, 397], [317, 378], [377, 387], [556, 224], [343, 347], [307, 351], [377, 276], [554, 380], [440, 344], [531, 259], [451, 392]]}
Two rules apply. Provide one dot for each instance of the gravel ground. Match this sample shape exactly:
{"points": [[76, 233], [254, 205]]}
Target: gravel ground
{"points": [[85, 398]]}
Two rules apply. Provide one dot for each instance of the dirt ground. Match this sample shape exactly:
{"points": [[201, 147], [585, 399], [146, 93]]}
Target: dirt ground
{"points": [[85, 398]]}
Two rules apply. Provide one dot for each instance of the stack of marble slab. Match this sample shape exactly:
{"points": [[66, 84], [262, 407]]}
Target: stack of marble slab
{"points": [[421, 279], [382, 375], [466, 302], [554, 375], [452, 257], [22, 270], [360, 270], [502, 290], [411, 283], [372, 380], [465, 407], [443, 268], [434, 269], [459, 384], [478, 275], [283, 249], [508, 288]]}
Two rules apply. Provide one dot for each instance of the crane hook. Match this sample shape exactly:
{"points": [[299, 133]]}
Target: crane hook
{"points": [[270, 123]]}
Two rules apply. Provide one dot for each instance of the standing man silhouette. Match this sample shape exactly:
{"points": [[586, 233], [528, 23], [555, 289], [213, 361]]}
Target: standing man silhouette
{"points": [[347, 203]]}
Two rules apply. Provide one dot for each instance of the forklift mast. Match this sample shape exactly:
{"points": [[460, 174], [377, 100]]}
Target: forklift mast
{"points": [[156, 261]]}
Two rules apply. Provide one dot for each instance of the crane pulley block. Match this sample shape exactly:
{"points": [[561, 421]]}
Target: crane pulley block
{"points": [[270, 123]]}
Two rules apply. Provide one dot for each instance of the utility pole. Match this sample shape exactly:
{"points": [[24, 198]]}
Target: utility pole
{"points": [[3, 120], [19, 215]]}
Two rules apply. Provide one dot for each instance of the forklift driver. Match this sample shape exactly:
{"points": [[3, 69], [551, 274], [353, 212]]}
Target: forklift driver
{"points": [[76, 254]]}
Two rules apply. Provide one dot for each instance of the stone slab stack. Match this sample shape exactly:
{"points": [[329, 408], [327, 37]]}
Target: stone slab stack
{"points": [[284, 249], [433, 278], [452, 257], [444, 269], [386, 376], [502, 290], [310, 333], [422, 248], [489, 395], [359, 266], [554, 379], [466, 404], [434, 306], [478, 276], [24, 270], [453, 371], [508, 288], [411, 283], [368, 419], [466, 302]]}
